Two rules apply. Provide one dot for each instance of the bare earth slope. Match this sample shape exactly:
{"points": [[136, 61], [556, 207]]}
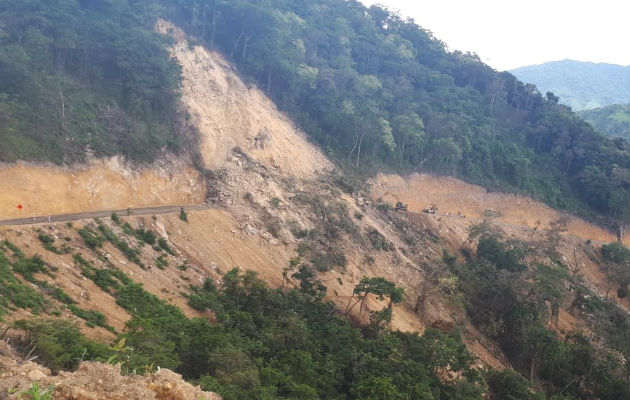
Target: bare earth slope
{"points": [[455, 197], [229, 114], [461, 205]]}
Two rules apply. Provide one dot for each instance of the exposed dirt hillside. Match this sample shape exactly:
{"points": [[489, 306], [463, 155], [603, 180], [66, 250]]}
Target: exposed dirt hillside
{"points": [[103, 184], [455, 197], [461, 205], [230, 113], [209, 244]]}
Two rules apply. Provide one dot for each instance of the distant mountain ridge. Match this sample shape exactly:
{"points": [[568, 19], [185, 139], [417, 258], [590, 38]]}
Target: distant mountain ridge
{"points": [[580, 85]]}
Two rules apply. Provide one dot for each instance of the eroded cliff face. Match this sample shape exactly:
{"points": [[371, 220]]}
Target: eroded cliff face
{"points": [[230, 113], [102, 184]]}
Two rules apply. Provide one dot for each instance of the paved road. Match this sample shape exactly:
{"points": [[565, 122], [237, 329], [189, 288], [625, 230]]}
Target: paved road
{"points": [[100, 214], [171, 209]]}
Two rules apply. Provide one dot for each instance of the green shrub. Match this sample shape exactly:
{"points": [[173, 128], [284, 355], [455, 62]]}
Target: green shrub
{"points": [[47, 242], [16, 250], [28, 267], [13, 291], [123, 246], [327, 261], [378, 241], [509, 384], [146, 235], [385, 207], [161, 262], [55, 292], [90, 238], [163, 244], [616, 252], [107, 279], [204, 298], [93, 317], [59, 344]]}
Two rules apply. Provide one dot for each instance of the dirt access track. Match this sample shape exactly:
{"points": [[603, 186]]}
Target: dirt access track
{"points": [[470, 203]]}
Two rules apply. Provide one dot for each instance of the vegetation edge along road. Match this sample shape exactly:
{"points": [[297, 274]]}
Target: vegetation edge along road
{"points": [[100, 214]]}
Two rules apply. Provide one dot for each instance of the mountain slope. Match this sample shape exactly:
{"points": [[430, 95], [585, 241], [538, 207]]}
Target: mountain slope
{"points": [[356, 300], [374, 90], [82, 79], [294, 226], [228, 113], [379, 91], [580, 85], [612, 120], [101, 184]]}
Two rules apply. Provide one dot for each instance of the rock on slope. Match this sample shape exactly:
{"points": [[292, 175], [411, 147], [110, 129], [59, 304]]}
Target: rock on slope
{"points": [[95, 381]]}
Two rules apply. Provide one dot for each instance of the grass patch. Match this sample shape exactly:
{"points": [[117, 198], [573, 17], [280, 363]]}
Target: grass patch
{"points": [[91, 239], [14, 293], [130, 253], [161, 262], [378, 241], [163, 244], [106, 279]]}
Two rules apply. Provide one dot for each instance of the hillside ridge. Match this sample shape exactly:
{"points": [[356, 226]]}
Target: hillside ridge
{"points": [[580, 85]]}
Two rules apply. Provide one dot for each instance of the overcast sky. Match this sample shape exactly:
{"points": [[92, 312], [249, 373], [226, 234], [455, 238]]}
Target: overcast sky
{"points": [[509, 34]]}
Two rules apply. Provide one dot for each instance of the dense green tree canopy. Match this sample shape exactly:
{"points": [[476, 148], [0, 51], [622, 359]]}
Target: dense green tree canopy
{"points": [[612, 120], [81, 77]]}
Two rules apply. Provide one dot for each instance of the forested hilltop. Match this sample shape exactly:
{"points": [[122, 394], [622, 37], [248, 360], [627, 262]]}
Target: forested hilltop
{"points": [[371, 88], [612, 120]]}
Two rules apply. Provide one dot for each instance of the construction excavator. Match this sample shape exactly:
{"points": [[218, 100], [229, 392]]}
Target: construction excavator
{"points": [[400, 206], [431, 210]]}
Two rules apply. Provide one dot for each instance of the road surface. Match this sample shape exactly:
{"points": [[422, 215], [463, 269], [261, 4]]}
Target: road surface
{"points": [[171, 209], [101, 214]]}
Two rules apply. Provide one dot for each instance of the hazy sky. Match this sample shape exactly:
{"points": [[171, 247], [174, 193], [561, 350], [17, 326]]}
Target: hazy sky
{"points": [[509, 34]]}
